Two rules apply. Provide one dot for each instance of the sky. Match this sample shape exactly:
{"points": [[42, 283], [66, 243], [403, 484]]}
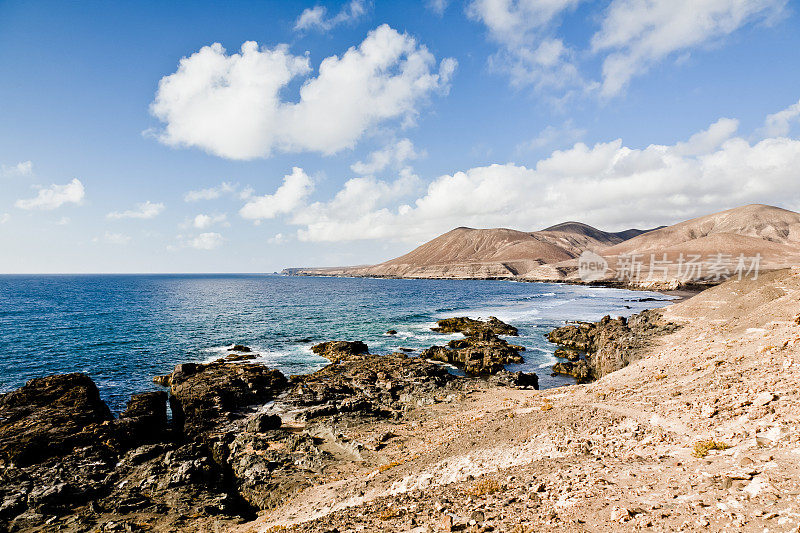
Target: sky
{"points": [[253, 136]]}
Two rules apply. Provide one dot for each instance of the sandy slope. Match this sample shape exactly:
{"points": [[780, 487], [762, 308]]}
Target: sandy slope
{"points": [[612, 455]]}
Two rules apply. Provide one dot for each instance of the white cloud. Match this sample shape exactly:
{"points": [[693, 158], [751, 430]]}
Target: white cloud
{"points": [[206, 241], [292, 193], [203, 221], [639, 33], [633, 35], [63, 221], [23, 168], [551, 136], [396, 153], [278, 238], [211, 193], [780, 123], [231, 105], [530, 52], [55, 196], [608, 185], [315, 18], [115, 238], [437, 6], [5, 217], [144, 210]]}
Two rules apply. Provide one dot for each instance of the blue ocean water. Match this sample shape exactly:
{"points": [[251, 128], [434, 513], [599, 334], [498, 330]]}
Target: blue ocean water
{"points": [[124, 329]]}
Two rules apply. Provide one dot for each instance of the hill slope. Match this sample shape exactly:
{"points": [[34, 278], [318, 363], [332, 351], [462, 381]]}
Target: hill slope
{"points": [[551, 254]]}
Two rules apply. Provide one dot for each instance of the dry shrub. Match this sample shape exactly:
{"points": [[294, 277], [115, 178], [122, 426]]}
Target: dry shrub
{"points": [[484, 487], [702, 447]]}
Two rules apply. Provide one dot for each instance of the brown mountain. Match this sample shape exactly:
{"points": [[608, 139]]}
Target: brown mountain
{"points": [[551, 254]]}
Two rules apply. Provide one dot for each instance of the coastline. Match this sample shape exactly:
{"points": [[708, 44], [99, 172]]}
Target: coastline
{"points": [[392, 442]]}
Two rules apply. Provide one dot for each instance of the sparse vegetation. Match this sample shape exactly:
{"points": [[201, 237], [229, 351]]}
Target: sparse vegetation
{"points": [[484, 487], [701, 448], [389, 513], [384, 468]]}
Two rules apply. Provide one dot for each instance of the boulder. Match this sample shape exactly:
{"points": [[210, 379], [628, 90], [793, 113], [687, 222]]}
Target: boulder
{"points": [[144, 421], [240, 348], [51, 416]]}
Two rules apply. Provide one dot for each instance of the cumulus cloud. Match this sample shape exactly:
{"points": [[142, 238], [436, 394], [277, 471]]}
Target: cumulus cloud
{"points": [[23, 168], [396, 153], [5, 217], [203, 221], [316, 18], [206, 241], [211, 193], [291, 194], [780, 123], [144, 210], [608, 184], [639, 33], [232, 105], [55, 196]]}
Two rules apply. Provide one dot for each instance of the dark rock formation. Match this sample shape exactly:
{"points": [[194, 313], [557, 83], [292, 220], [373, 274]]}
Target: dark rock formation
{"points": [[51, 416], [392, 332], [334, 351], [520, 380], [242, 438], [240, 348], [208, 397], [579, 369], [481, 351], [610, 344], [470, 326], [144, 421]]}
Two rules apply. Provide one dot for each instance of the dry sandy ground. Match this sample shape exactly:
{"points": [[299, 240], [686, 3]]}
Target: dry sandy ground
{"points": [[614, 455]]}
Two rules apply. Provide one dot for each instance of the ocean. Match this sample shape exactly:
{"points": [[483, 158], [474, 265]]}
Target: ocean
{"points": [[124, 329]]}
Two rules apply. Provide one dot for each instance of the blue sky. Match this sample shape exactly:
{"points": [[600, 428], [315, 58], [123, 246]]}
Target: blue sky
{"points": [[117, 157]]}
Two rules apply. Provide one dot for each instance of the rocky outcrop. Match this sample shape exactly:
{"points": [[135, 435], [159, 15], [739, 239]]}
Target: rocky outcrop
{"points": [[481, 351], [242, 438], [51, 416], [334, 351], [471, 327], [208, 397], [607, 345]]}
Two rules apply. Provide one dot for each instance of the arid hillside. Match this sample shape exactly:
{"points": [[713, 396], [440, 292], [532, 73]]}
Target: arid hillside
{"points": [[707, 249]]}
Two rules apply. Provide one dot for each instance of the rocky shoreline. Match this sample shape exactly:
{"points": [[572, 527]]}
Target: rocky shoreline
{"points": [[242, 438], [595, 349]]}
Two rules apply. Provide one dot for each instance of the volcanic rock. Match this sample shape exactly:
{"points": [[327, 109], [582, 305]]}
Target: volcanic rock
{"points": [[51, 416], [338, 350]]}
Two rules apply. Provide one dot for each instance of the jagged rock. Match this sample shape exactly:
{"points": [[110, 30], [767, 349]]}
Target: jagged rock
{"points": [[144, 420], [335, 351], [481, 351], [392, 332], [568, 354], [470, 326], [240, 348], [206, 397], [610, 344], [580, 370], [263, 422], [521, 380], [50, 416]]}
